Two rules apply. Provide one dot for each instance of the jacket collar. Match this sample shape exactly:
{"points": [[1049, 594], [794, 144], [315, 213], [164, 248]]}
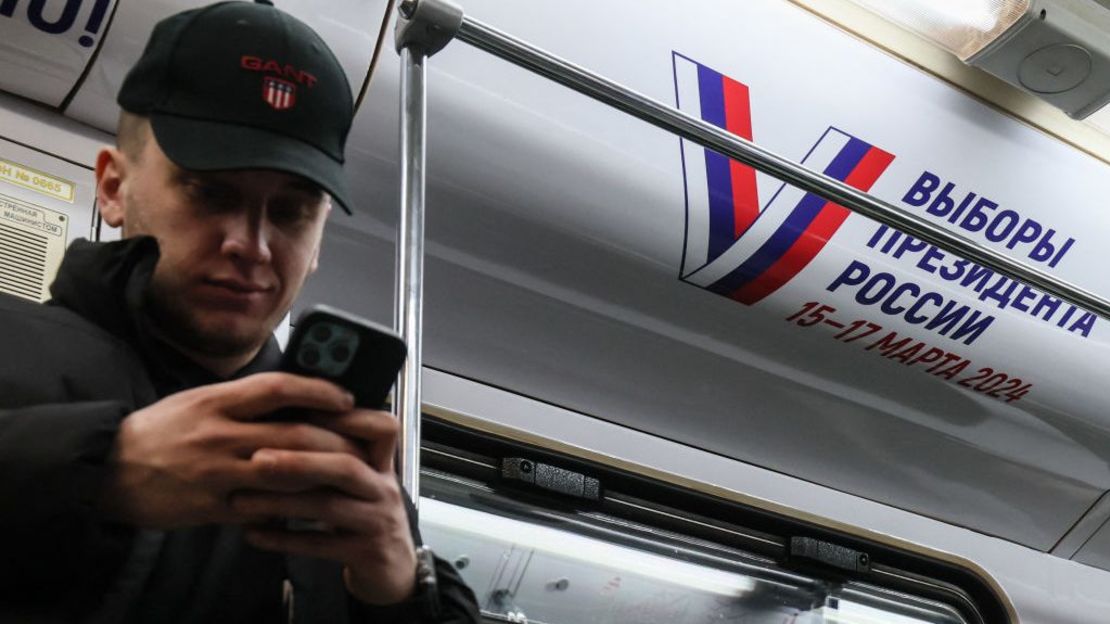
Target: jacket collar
{"points": [[106, 284]]}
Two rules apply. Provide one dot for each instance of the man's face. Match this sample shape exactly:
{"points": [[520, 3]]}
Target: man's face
{"points": [[236, 247]]}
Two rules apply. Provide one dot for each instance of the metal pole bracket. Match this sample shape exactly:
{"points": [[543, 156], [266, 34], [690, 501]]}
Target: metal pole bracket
{"points": [[426, 26]]}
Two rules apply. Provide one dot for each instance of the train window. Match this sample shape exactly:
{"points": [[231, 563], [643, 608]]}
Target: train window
{"points": [[523, 571], [558, 555]]}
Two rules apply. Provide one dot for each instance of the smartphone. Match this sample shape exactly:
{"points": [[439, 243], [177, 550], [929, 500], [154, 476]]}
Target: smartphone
{"points": [[352, 352]]}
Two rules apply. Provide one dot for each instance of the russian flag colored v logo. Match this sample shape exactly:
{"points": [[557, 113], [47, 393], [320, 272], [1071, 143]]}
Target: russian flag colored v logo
{"points": [[733, 247]]}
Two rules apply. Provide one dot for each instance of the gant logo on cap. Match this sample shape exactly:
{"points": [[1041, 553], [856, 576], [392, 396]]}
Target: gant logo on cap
{"points": [[279, 94], [286, 71]]}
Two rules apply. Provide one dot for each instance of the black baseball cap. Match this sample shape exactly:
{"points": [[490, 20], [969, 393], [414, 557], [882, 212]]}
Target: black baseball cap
{"points": [[243, 85]]}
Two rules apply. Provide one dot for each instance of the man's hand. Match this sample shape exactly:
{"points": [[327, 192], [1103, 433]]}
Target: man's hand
{"points": [[360, 500], [206, 456], [175, 462]]}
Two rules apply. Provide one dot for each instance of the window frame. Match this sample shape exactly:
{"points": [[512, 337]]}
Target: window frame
{"points": [[697, 518]]}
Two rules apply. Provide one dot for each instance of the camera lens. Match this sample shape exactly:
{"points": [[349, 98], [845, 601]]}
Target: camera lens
{"points": [[340, 353], [310, 355], [321, 333]]}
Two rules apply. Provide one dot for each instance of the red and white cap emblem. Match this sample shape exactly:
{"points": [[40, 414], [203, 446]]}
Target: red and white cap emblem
{"points": [[279, 94]]}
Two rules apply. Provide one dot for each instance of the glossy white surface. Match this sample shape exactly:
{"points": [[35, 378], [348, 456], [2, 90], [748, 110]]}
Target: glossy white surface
{"points": [[43, 140], [32, 124], [46, 45], [1042, 589], [1096, 550], [556, 231]]}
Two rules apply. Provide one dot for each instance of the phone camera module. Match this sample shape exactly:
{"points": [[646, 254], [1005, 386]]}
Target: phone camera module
{"points": [[310, 355], [321, 333], [328, 349], [340, 353]]}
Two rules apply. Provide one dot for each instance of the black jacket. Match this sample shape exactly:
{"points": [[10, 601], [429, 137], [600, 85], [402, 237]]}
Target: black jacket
{"points": [[70, 372]]}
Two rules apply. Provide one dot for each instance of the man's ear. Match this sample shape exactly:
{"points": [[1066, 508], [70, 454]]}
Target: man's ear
{"points": [[111, 170], [315, 260], [319, 241]]}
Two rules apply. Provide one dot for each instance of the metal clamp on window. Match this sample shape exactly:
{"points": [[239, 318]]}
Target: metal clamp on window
{"points": [[551, 478]]}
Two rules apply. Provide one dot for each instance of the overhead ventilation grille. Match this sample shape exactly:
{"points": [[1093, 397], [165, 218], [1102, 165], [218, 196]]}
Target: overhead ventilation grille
{"points": [[22, 262], [32, 241]]}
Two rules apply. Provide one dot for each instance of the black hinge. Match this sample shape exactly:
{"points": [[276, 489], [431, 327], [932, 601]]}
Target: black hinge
{"points": [[551, 478], [810, 550]]}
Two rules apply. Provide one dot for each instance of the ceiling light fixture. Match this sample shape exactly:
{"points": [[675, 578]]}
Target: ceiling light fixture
{"points": [[1057, 50], [963, 27]]}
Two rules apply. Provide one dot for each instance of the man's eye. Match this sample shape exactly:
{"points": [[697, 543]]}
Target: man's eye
{"points": [[212, 194], [289, 211]]}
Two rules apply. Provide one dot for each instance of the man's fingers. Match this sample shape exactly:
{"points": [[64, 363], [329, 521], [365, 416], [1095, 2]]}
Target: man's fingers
{"points": [[378, 429], [321, 505], [296, 436], [300, 471], [262, 394], [338, 548]]}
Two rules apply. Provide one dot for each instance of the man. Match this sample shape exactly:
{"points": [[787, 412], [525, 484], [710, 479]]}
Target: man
{"points": [[140, 476]]}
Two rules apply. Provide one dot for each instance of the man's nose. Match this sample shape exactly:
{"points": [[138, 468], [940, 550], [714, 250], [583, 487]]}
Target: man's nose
{"points": [[247, 238]]}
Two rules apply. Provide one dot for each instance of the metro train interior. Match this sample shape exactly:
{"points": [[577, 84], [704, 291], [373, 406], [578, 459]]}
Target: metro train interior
{"points": [[773, 311]]}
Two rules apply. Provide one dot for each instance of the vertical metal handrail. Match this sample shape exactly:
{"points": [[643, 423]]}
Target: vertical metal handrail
{"points": [[409, 300]]}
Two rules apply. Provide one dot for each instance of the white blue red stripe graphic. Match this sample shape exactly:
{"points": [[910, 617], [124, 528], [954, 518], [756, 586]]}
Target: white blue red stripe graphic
{"points": [[732, 247], [280, 94]]}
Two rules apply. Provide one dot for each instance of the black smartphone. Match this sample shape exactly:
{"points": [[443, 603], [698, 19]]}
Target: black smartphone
{"points": [[352, 352]]}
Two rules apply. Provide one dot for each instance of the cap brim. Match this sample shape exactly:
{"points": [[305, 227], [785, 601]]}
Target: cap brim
{"points": [[202, 145]]}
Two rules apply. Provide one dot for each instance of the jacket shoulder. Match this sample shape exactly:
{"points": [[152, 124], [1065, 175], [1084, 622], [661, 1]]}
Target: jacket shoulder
{"points": [[21, 315], [52, 354]]}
